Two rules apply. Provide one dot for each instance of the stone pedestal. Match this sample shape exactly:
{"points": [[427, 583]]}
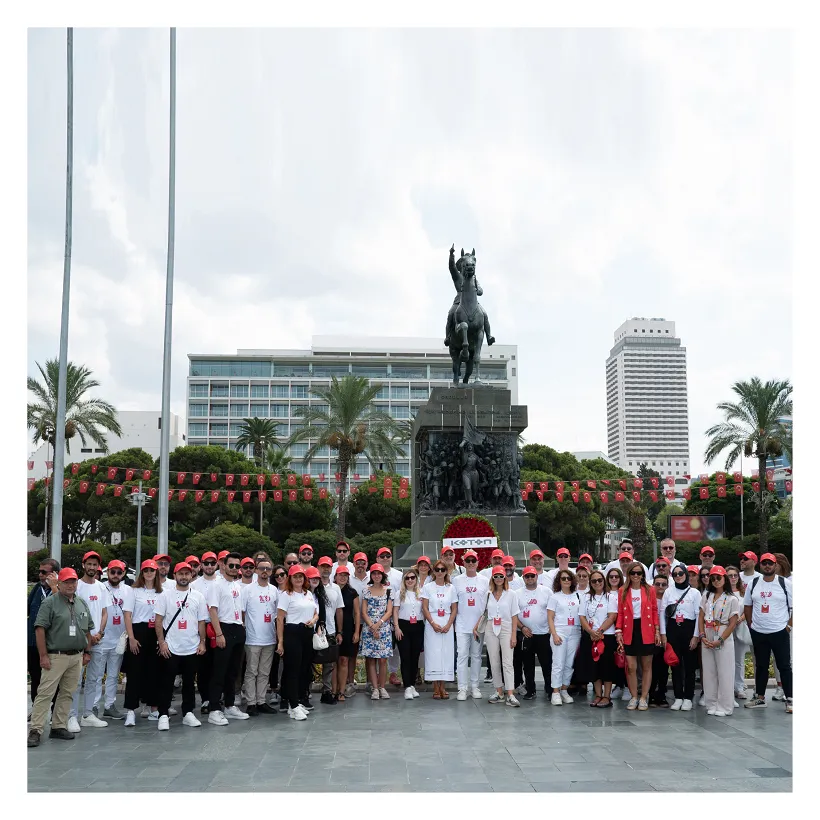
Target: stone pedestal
{"points": [[465, 460]]}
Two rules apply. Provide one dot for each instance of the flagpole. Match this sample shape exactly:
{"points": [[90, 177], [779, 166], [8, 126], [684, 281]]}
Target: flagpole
{"points": [[59, 425], [165, 424]]}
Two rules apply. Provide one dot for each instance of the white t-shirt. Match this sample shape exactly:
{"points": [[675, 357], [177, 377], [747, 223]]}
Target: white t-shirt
{"points": [[96, 596], [597, 608], [122, 601], [183, 636], [675, 563], [616, 564], [203, 584], [393, 582], [544, 580], [516, 582], [746, 580], [334, 602], [440, 600], [169, 583], [298, 608], [567, 609], [584, 593], [635, 596], [770, 613], [145, 599], [455, 572], [686, 610], [472, 596], [532, 609], [360, 585], [505, 607], [410, 607], [230, 598], [260, 615]]}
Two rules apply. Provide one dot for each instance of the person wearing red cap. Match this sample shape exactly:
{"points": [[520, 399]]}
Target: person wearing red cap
{"points": [[334, 606], [471, 591], [163, 563], [377, 637], [206, 662], [707, 557], [180, 618], [626, 546], [742, 636], [717, 619], [62, 632], [195, 564], [393, 582], [142, 681], [513, 578], [342, 560], [598, 621], [94, 593], [496, 560], [534, 622], [668, 550], [562, 559], [537, 561], [424, 568], [448, 555], [122, 601], [439, 608], [748, 561], [564, 618], [305, 556], [260, 638], [350, 631], [768, 605], [358, 581], [247, 571], [585, 560]]}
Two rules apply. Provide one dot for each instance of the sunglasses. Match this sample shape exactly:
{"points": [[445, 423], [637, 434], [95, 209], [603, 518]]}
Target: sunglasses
{"points": [[43, 571], [264, 569], [667, 549], [232, 566], [497, 575], [770, 563], [440, 569], [291, 563], [149, 569], [597, 581], [194, 564], [679, 574], [636, 572], [209, 563], [342, 549], [248, 567], [566, 578], [731, 575], [115, 572], [410, 578], [471, 560], [280, 575], [306, 552], [530, 575]]}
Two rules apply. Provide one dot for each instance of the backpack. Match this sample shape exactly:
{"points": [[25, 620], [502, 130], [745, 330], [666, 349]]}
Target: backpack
{"points": [[783, 587]]}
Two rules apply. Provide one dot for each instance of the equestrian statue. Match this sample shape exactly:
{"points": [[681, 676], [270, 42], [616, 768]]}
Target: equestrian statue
{"points": [[467, 323]]}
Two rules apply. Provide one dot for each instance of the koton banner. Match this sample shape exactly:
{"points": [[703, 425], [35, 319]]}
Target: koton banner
{"points": [[471, 543]]}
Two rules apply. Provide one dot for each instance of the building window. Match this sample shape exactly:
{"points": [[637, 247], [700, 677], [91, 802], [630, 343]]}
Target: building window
{"points": [[219, 390], [297, 450], [279, 411], [219, 409], [401, 411], [399, 392], [198, 429], [409, 372], [259, 391], [239, 391], [199, 391], [239, 411], [86, 450], [279, 391], [370, 371], [325, 371], [383, 393], [197, 410], [419, 393], [219, 429], [298, 391], [513, 371], [513, 357], [259, 411]]}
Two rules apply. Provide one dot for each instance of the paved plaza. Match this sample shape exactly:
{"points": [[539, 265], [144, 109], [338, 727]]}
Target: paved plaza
{"points": [[426, 745]]}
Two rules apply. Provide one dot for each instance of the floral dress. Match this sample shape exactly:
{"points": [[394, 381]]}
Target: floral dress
{"points": [[381, 644]]}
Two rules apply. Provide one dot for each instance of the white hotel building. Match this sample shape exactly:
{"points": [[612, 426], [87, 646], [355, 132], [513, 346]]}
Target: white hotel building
{"points": [[224, 389], [646, 399]]}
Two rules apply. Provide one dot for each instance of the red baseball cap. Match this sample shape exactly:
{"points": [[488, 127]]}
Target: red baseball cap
{"points": [[324, 561], [67, 574], [529, 571], [533, 553], [705, 549], [767, 556], [585, 555], [383, 550], [662, 560], [183, 565], [377, 568], [693, 568], [91, 554], [245, 561], [471, 553], [447, 549], [149, 563], [359, 556], [312, 572], [117, 564], [305, 548], [425, 559], [508, 561], [497, 570], [496, 553], [342, 570], [222, 554], [161, 557], [192, 558], [296, 568], [342, 544], [207, 555], [625, 555], [597, 650], [716, 570], [562, 551], [748, 554]]}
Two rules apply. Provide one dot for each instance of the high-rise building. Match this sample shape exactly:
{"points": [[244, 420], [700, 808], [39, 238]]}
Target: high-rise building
{"points": [[646, 401], [224, 389]]}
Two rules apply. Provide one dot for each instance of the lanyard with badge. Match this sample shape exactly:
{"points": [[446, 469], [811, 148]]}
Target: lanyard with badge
{"points": [[413, 617], [596, 605], [711, 621], [497, 616], [72, 627], [116, 620]]}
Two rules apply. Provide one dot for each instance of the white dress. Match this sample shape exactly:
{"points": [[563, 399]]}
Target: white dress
{"points": [[439, 647]]}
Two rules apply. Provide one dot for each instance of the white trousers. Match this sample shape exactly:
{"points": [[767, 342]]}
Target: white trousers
{"points": [[718, 670], [500, 654], [469, 650], [111, 667], [563, 657], [93, 679], [740, 664]]}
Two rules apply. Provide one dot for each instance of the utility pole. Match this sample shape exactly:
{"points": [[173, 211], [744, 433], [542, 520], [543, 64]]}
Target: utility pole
{"points": [[59, 432], [741, 495], [138, 500], [165, 424]]}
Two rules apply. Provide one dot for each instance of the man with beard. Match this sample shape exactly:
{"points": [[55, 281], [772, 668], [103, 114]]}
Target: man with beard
{"points": [[248, 570], [202, 585], [163, 568], [181, 615], [306, 556], [96, 597], [122, 601]]}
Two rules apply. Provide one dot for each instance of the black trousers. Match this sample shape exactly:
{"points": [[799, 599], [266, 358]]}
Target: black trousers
{"points": [[185, 665], [273, 678], [518, 663], [205, 672], [227, 663], [142, 681], [536, 645], [764, 645], [683, 675], [298, 659], [410, 647], [660, 677]]}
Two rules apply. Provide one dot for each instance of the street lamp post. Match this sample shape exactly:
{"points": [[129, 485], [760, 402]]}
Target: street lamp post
{"points": [[138, 500]]}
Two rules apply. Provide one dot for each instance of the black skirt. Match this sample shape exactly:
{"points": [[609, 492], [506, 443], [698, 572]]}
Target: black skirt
{"points": [[637, 647], [585, 667]]}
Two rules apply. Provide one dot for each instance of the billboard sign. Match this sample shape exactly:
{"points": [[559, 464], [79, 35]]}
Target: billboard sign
{"points": [[696, 527]]}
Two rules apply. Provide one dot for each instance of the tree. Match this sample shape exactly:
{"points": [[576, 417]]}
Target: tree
{"points": [[661, 523], [752, 426], [350, 424], [728, 507], [260, 436], [371, 544], [370, 512], [322, 541], [233, 537], [276, 459]]}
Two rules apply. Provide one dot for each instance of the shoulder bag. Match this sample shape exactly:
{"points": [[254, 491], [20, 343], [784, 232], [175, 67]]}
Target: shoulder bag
{"points": [[166, 629], [670, 608]]}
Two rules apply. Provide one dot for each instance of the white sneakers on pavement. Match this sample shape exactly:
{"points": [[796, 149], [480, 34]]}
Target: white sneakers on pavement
{"points": [[73, 724], [153, 715], [556, 699], [130, 718], [675, 707], [566, 697], [374, 695], [788, 706], [686, 706], [384, 694], [779, 694], [93, 720], [145, 711], [633, 704], [415, 693], [217, 718], [408, 693], [172, 711], [190, 720], [235, 713], [476, 693], [626, 695], [512, 700], [702, 701], [297, 714], [163, 725], [617, 692], [462, 694]]}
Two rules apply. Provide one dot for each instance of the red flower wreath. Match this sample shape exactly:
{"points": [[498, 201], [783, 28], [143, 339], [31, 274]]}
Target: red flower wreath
{"points": [[471, 526]]}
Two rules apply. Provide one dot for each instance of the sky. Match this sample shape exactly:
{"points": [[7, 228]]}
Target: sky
{"points": [[322, 176]]}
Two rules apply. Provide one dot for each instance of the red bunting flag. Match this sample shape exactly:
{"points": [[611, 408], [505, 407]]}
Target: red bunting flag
{"points": [[170, 494], [721, 491], [704, 478], [737, 477], [388, 492], [100, 489], [372, 476], [653, 495], [308, 493], [670, 494], [636, 496], [619, 496], [769, 474], [337, 476], [687, 493], [756, 486], [402, 492], [587, 496], [277, 495], [83, 486], [371, 488], [559, 486], [788, 486], [118, 490], [199, 495], [770, 486], [291, 479], [180, 478], [33, 481], [305, 479], [260, 480], [129, 474], [591, 485], [244, 480], [654, 482], [543, 486], [263, 496], [525, 495], [75, 468], [720, 478], [31, 465], [134, 489], [275, 479], [529, 486], [355, 477], [197, 477], [94, 469], [291, 495], [214, 477], [152, 492], [755, 473], [606, 481], [321, 476], [48, 481], [323, 493], [246, 496], [146, 475], [605, 497], [704, 493], [183, 494], [540, 495], [559, 497], [49, 465], [788, 470], [214, 496], [738, 489], [231, 494], [575, 497], [404, 483], [356, 489], [576, 485], [622, 483], [112, 472], [388, 483], [638, 483], [67, 481], [229, 480], [670, 481]]}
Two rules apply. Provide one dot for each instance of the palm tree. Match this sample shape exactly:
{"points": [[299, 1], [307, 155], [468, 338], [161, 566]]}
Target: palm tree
{"points": [[276, 459], [350, 424], [84, 417], [752, 426], [259, 435]]}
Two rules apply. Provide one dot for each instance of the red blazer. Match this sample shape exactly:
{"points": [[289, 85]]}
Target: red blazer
{"points": [[649, 616]]}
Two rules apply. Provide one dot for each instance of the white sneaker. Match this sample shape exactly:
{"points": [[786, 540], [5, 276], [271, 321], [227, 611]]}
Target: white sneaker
{"points": [[302, 709], [737, 705], [789, 706], [408, 693], [522, 690], [702, 701], [93, 720], [711, 711], [476, 694], [566, 697], [130, 718], [190, 720], [415, 693], [512, 700], [687, 706], [719, 713], [779, 694], [633, 704], [374, 695], [741, 694], [172, 711], [164, 724], [462, 694], [178, 682], [217, 718], [235, 713], [153, 715], [384, 694], [73, 725], [145, 711], [617, 692], [297, 714], [556, 699], [626, 695], [675, 707]]}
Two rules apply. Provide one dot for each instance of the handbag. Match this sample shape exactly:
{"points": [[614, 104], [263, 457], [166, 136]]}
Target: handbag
{"points": [[122, 642], [742, 633], [482, 620], [328, 655], [320, 639], [670, 608], [620, 659]]}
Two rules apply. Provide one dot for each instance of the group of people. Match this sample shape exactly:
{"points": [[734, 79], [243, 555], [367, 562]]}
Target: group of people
{"points": [[225, 625]]}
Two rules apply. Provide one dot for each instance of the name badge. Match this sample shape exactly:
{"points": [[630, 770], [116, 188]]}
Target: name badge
{"points": [[709, 624], [72, 631], [182, 624], [471, 602], [496, 621], [116, 620], [570, 621], [679, 618], [267, 618], [236, 614], [764, 608], [441, 613], [151, 623], [413, 619], [526, 613]]}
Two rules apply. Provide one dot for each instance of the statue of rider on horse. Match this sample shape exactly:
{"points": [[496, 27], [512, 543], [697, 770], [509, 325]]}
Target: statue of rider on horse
{"points": [[467, 323]]}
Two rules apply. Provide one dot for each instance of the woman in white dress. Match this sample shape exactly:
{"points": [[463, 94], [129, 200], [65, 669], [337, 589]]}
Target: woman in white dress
{"points": [[439, 608]]}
